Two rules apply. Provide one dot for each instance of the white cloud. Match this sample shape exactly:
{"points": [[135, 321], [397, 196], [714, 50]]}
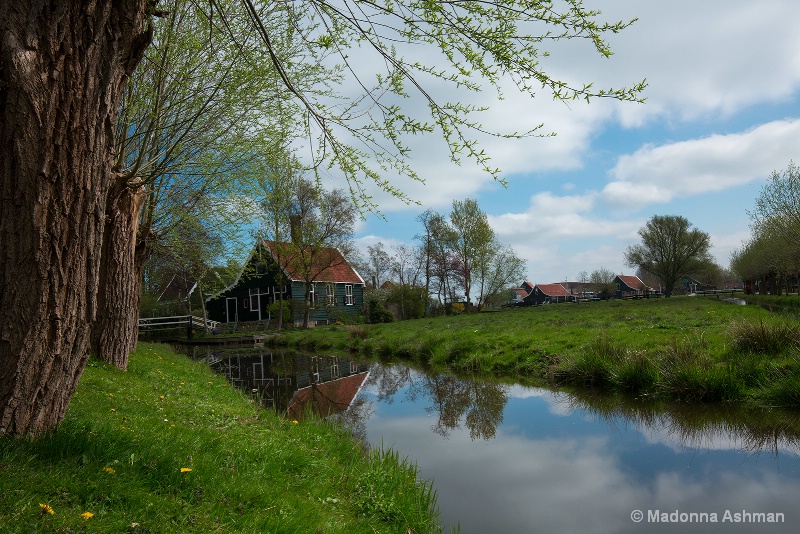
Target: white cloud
{"points": [[658, 174], [705, 58], [552, 217]]}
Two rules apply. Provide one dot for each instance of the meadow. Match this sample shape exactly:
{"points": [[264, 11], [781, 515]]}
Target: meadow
{"points": [[683, 348], [168, 446]]}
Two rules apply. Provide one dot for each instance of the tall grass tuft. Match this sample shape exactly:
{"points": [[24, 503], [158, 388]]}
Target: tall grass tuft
{"points": [[595, 366], [637, 373], [761, 338], [382, 492]]}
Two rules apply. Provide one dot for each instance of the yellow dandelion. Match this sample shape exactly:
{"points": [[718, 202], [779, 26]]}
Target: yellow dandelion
{"points": [[295, 421], [110, 394], [185, 469], [113, 409], [46, 508], [109, 470], [87, 515], [161, 397]]}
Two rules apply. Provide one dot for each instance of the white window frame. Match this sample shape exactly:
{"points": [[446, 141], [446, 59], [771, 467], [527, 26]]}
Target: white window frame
{"points": [[255, 305], [349, 300], [330, 294]]}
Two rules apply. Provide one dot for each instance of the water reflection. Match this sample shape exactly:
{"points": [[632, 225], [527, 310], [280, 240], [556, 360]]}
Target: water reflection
{"points": [[449, 399], [551, 461], [507, 458], [295, 385], [725, 426]]}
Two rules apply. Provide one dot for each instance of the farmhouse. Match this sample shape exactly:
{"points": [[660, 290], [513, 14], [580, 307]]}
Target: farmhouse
{"points": [[276, 268], [548, 294], [518, 294], [632, 287]]}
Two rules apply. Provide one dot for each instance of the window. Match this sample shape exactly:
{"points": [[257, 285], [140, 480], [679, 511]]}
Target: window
{"points": [[348, 295], [330, 294], [312, 297], [255, 301]]}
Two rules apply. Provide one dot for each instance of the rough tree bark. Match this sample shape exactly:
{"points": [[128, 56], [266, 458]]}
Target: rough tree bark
{"points": [[62, 69], [116, 328]]}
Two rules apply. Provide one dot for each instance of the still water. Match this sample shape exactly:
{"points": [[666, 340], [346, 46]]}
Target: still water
{"points": [[514, 459]]}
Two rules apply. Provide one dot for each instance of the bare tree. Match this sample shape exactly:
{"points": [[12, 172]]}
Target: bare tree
{"points": [[379, 264]]}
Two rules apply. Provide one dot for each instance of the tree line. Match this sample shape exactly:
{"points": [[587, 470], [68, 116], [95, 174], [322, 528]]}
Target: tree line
{"points": [[769, 262], [457, 259]]}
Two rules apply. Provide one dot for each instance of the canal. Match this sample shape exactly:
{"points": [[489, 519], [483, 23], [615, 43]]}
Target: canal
{"points": [[508, 458]]}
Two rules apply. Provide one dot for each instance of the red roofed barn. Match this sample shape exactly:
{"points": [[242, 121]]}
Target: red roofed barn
{"points": [[548, 294], [632, 287]]}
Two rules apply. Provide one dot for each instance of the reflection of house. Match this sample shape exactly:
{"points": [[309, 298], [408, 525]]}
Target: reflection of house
{"points": [[293, 384], [335, 285], [632, 287], [548, 294], [325, 398]]}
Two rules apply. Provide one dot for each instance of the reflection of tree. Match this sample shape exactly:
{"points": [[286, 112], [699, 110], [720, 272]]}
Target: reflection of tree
{"points": [[482, 402], [478, 401], [388, 379], [700, 426], [354, 419]]}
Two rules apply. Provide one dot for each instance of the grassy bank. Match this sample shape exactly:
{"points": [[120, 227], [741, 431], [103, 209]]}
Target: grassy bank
{"points": [[169, 447], [683, 348]]}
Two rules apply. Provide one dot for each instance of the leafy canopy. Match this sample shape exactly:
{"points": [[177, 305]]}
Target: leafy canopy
{"points": [[382, 53]]}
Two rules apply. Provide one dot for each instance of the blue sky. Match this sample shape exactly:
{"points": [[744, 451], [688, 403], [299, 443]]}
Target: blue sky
{"points": [[722, 113]]}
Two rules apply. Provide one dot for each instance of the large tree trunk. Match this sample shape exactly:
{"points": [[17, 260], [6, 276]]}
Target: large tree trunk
{"points": [[62, 69], [116, 329]]}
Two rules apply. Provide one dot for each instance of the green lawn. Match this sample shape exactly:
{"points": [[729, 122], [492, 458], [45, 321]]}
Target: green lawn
{"points": [[681, 348], [170, 447]]}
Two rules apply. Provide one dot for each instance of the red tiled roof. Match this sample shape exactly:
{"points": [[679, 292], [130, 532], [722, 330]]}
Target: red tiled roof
{"points": [[328, 265], [326, 398], [553, 290], [521, 291], [633, 282]]}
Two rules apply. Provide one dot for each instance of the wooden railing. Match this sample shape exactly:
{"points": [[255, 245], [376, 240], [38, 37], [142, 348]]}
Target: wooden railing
{"points": [[190, 322]]}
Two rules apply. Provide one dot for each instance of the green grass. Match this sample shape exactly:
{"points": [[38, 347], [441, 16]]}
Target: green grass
{"points": [[682, 348], [170, 447]]}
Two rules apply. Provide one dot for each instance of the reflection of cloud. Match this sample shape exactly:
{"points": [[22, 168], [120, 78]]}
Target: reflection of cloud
{"points": [[522, 392], [661, 434], [514, 484], [556, 402]]}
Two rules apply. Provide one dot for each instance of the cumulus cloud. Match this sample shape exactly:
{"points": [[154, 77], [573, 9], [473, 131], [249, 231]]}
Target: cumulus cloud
{"points": [[706, 58], [658, 174], [551, 216]]}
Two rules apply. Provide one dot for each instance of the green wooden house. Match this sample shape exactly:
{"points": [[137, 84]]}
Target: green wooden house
{"points": [[273, 268]]}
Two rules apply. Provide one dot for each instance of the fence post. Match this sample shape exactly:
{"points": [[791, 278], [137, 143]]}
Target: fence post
{"points": [[189, 327]]}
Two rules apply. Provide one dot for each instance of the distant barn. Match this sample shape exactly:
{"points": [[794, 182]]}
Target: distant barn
{"points": [[548, 294]]}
